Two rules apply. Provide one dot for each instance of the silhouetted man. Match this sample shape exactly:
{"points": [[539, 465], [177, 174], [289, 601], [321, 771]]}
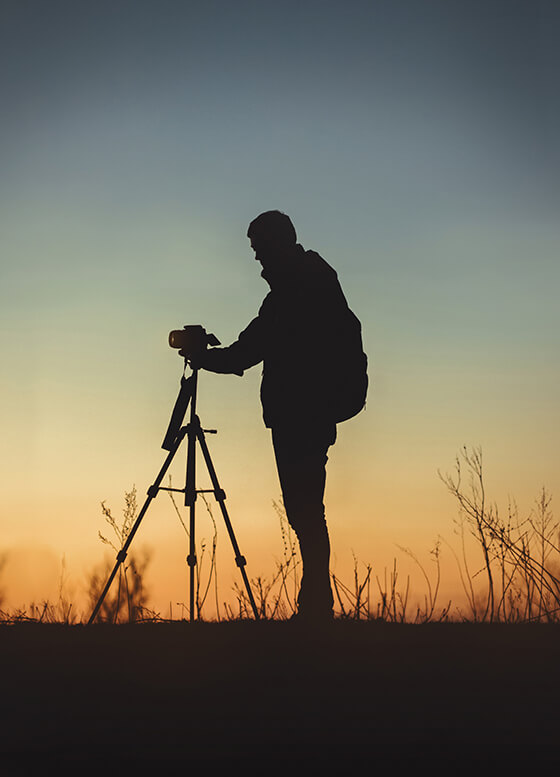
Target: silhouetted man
{"points": [[298, 334]]}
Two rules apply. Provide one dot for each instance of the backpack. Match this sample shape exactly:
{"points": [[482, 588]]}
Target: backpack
{"points": [[349, 385]]}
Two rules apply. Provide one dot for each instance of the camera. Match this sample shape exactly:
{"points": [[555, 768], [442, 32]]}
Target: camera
{"points": [[192, 340]]}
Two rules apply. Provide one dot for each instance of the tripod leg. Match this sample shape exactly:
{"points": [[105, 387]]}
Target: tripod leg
{"points": [[220, 495], [152, 492], [190, 502]]}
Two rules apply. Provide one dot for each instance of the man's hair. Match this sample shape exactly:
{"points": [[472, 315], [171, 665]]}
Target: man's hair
{"points": [[273, 225]]}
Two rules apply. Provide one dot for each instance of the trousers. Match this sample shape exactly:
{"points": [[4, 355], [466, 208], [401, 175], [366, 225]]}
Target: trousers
{"points": [[301, 458]]}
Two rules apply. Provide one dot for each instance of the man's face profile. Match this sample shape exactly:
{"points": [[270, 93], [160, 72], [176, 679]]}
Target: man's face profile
{"points": [[263, 249], [269, 251]]}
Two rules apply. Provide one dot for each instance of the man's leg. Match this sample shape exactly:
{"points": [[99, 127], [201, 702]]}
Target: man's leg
{"points": [[301, 457]]}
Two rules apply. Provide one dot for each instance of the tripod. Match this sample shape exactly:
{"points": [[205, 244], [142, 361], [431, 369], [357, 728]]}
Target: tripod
{"points": [[176, 432]]}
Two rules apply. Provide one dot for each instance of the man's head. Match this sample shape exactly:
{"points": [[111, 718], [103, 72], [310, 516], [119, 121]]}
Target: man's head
{"points": [[272, 237]]}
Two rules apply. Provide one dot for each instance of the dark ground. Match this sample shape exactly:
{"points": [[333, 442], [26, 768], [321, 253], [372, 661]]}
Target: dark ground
{"points": [[276, 697]]}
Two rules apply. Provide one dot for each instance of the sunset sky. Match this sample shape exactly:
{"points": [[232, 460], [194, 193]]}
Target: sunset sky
{"points": [[415, 147]]}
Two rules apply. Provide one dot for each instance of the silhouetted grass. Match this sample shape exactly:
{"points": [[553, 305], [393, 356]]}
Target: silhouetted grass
{"points": [[59, 611], [516, 580], [520, 557], [126, 601]]}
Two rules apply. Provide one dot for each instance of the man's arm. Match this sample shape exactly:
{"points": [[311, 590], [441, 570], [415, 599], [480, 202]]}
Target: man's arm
{"points": [[245, 352]]}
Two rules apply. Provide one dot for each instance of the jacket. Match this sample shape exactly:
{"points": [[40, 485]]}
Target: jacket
{"points": [[297, 334]]}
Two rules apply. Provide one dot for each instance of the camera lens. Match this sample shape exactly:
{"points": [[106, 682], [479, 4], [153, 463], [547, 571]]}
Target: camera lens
{"points": [[176, 338]]}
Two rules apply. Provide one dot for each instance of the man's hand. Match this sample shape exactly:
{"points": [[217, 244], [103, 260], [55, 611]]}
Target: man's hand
{"points": [[193, 360]]}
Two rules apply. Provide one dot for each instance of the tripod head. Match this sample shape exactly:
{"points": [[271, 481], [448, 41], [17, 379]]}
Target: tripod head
{"points": [[177, 416], [193, 341]]}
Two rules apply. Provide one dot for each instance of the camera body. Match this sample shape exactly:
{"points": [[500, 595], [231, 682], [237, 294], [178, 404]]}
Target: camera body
{"points": [[192, 341]]}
